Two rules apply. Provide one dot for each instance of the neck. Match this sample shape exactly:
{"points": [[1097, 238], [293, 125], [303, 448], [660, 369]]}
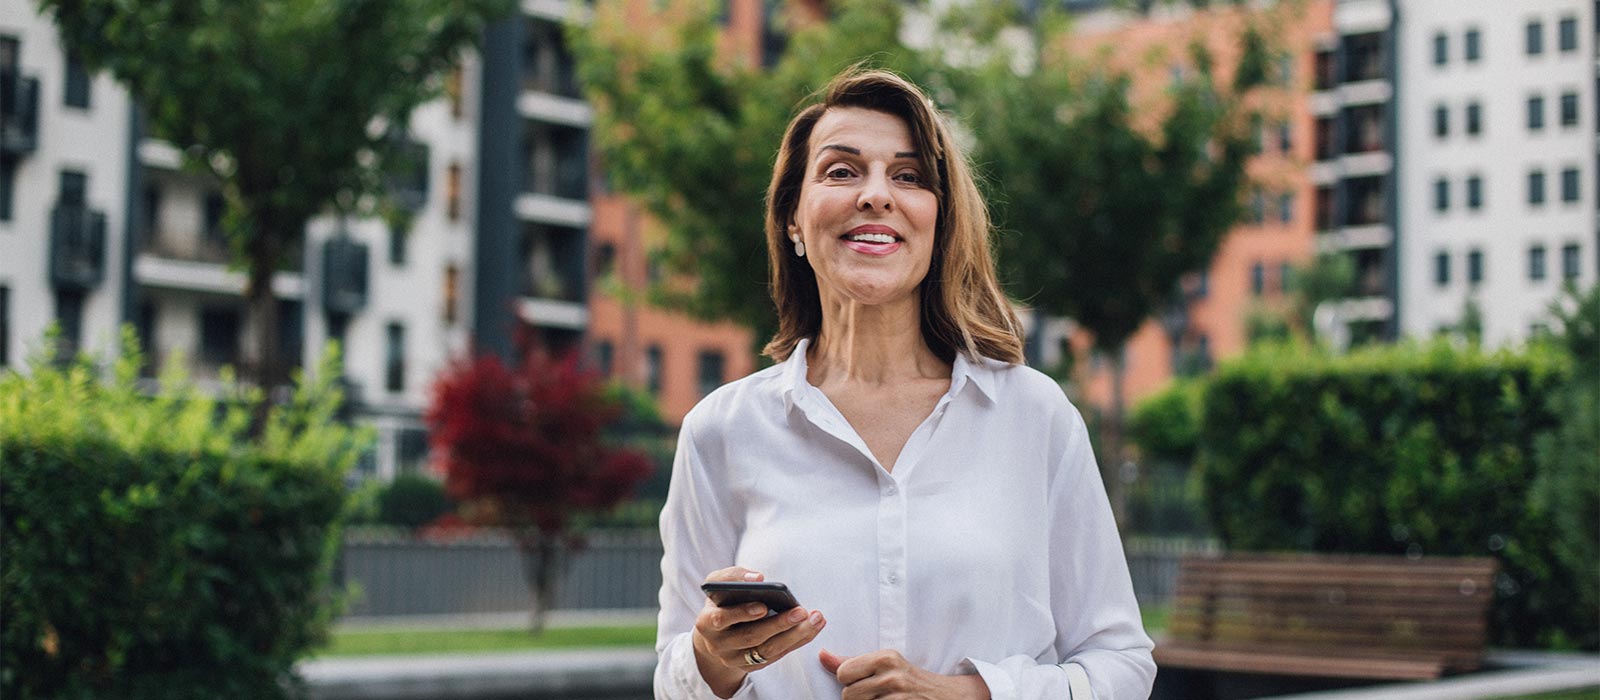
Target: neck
{"points": [[872, 344]]}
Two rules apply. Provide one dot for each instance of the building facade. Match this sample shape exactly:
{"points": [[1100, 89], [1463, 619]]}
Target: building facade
{"points": [[507, 227]]}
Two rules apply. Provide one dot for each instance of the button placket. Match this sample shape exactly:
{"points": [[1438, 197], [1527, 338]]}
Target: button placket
{"points": [[892, 603]]}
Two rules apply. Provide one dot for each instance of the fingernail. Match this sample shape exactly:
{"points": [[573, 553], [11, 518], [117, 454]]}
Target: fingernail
{"points": [[756, 608], [816, 618], [752, 576], [797, 615]]}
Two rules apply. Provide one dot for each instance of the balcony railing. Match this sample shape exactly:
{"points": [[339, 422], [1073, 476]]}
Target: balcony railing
{"points": [[77, 247], [19, 114]]}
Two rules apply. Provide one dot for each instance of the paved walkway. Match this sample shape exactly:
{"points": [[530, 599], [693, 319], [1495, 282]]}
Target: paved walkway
{"points": [[1522, 673]]}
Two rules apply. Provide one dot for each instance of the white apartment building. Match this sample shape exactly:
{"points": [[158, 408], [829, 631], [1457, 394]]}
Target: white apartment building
{"points": [[1497, 152], [101, 225]]}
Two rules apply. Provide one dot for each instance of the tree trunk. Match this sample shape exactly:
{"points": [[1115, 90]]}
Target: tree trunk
{"points": [[264, 249], [1116, 487], [544, 561]]}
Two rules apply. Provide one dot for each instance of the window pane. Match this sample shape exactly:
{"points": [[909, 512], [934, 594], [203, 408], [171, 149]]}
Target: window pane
{"points": [[1536, 263], [1441, 195], [1569, 185], [1569, 34], [1475, 192], [76, 84], [1441, 49], [1535, 113], [1569, 109], [1441, 269], [394, 370], [1475, 266], [711, 371], [1441, 121], [1536, 187], [1569, 261], [1535, 38], [1474, 48], [1474, 118]]}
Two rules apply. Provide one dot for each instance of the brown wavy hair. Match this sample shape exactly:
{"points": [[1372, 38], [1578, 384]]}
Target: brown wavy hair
{"points": [[963, 307]]}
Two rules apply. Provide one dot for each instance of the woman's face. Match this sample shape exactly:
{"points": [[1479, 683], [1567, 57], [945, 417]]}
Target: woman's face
{"points": [[865, 213]]}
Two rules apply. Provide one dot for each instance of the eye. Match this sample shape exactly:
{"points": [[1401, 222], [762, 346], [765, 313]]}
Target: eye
{"points": [[838, 172], [910, 177]]}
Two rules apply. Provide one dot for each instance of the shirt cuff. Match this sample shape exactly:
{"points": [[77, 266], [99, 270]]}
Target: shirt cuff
{"points": [[683, 674], [1001, 687]]}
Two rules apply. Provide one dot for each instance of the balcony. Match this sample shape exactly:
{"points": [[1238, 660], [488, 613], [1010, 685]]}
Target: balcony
{"points": [[557, 159], [77, 247], [552, 264], [19, 114], [547, 65]]}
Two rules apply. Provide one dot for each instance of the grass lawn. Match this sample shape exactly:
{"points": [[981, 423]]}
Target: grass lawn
{"points": [[381, 642], [1582, 694]]}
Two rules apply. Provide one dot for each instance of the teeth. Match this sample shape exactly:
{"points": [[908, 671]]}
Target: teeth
{"points": [[871, 237]]}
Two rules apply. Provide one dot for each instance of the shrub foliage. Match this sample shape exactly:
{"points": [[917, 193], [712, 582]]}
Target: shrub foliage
{"points": [[161, 546], [1405, 450]]}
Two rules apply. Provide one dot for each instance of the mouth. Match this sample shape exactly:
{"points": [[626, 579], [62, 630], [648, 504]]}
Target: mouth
{"points": [[872, 234]]}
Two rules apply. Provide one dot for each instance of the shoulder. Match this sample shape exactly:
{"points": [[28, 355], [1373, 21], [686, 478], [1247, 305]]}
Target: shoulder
{"points": [[738, 401], [1020, 388]]}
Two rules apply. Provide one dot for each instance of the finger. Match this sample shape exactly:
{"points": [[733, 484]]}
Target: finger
{"points": [[830, 661], [877, 663], [734, 573], [780, 644], [865, 689], [722, 619]]}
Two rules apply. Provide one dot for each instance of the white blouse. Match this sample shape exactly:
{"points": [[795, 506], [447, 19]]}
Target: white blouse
{"points": [[991, 547]]}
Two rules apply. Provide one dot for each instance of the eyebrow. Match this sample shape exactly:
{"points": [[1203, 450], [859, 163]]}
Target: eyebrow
{"points": [[852, 150]]}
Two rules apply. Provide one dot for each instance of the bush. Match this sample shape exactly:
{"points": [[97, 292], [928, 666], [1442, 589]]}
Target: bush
{"points": [[152, 547], [1406, 450], [412, 500], [1568, 486]]}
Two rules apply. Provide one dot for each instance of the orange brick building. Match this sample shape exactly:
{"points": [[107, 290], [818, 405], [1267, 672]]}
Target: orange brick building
{"points": [[1249, 269]]}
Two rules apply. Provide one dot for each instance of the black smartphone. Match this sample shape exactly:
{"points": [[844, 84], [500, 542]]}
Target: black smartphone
{"points": [[775, 596]]}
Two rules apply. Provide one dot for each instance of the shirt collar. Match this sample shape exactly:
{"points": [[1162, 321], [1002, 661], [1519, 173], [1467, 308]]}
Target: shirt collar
{"points": [[979, 373]]}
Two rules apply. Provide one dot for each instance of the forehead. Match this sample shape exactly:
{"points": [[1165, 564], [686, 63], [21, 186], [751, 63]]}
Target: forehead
{"points": [[868, 130]]}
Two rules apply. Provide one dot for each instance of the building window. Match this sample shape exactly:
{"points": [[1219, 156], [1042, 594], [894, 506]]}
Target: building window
{"points": [[652, 369], [1569, 185], [1474, 119], [1324, 134], [1536, 113], [1474, 45], [1441, 48], [1324, 208], [452, 191], [1475, 266], [1568, 34], [74, 187], [394, 358], [1441, 195], [1536, 263], [604, 356], [1258, 279], [76, 83], [1536, 187], [1475, 192], [219, 335], [1441, 269], [711, 369], [8, 182], [5, 326], [1325, 66], [397, 246], [1286, 207], [1569, 261], [1569, 109], [1441, 121], [214, 206], [1258, 206], [1285, 137], [452, 293], [1285, 277], [1535, 40]]}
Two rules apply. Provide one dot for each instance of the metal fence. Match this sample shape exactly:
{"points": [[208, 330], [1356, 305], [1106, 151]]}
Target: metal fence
{"points": [[393, 574]]}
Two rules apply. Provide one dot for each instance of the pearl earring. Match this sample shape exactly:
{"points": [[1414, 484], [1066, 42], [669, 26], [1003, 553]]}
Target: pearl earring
{"points": [[799, 247]]}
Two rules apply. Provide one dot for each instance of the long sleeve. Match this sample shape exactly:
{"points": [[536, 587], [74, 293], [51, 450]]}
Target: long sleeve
{"points": [[698, 537], [1098, 629]]}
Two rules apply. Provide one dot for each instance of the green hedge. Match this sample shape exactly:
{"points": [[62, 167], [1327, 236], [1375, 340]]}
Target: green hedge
{"points": [[152, 548], [1405, 450]]}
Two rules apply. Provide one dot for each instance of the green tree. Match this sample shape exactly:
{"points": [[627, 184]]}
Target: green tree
{"points": [[1103, 217], [291, 104], [693, 135]]}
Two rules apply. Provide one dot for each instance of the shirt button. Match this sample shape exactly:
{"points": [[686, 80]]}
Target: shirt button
{"points": [[890, 491], [894, 578]]}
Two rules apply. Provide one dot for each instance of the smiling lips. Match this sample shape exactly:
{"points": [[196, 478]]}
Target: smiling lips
{"points": [[871, 239]]}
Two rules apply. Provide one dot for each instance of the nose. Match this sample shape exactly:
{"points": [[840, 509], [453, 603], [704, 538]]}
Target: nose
{"points": [[875, 194]]}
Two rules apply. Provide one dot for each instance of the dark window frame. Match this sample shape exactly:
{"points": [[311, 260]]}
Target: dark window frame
{"points": [[1568, 109], [1473, 48], [1570, 189], [1475, 192], [1537, 270], [1441, 195], [1533, 38], [1536, 193], [76, 84], [1474, 118], [1441, 269], [1567, 34]]}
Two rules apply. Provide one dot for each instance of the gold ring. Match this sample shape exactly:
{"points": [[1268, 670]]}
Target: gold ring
{"points": [[753, 657]]}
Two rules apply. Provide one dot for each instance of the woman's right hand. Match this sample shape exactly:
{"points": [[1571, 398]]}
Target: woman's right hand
{"points": [[723, 636]]}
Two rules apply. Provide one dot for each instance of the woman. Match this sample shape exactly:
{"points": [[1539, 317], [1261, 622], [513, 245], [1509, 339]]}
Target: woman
{"points": [[934, 502]]}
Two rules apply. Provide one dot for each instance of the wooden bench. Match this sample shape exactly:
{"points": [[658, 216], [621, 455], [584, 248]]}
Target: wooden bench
{"points": [[1337, 616]]}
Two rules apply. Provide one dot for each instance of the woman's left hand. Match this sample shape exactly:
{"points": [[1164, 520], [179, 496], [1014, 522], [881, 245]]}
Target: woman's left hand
{"points": [[886, 675]]}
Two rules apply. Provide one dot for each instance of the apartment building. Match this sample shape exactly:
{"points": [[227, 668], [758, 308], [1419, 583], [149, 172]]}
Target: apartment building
{"points": [[1497, 149], [509, 225]]}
